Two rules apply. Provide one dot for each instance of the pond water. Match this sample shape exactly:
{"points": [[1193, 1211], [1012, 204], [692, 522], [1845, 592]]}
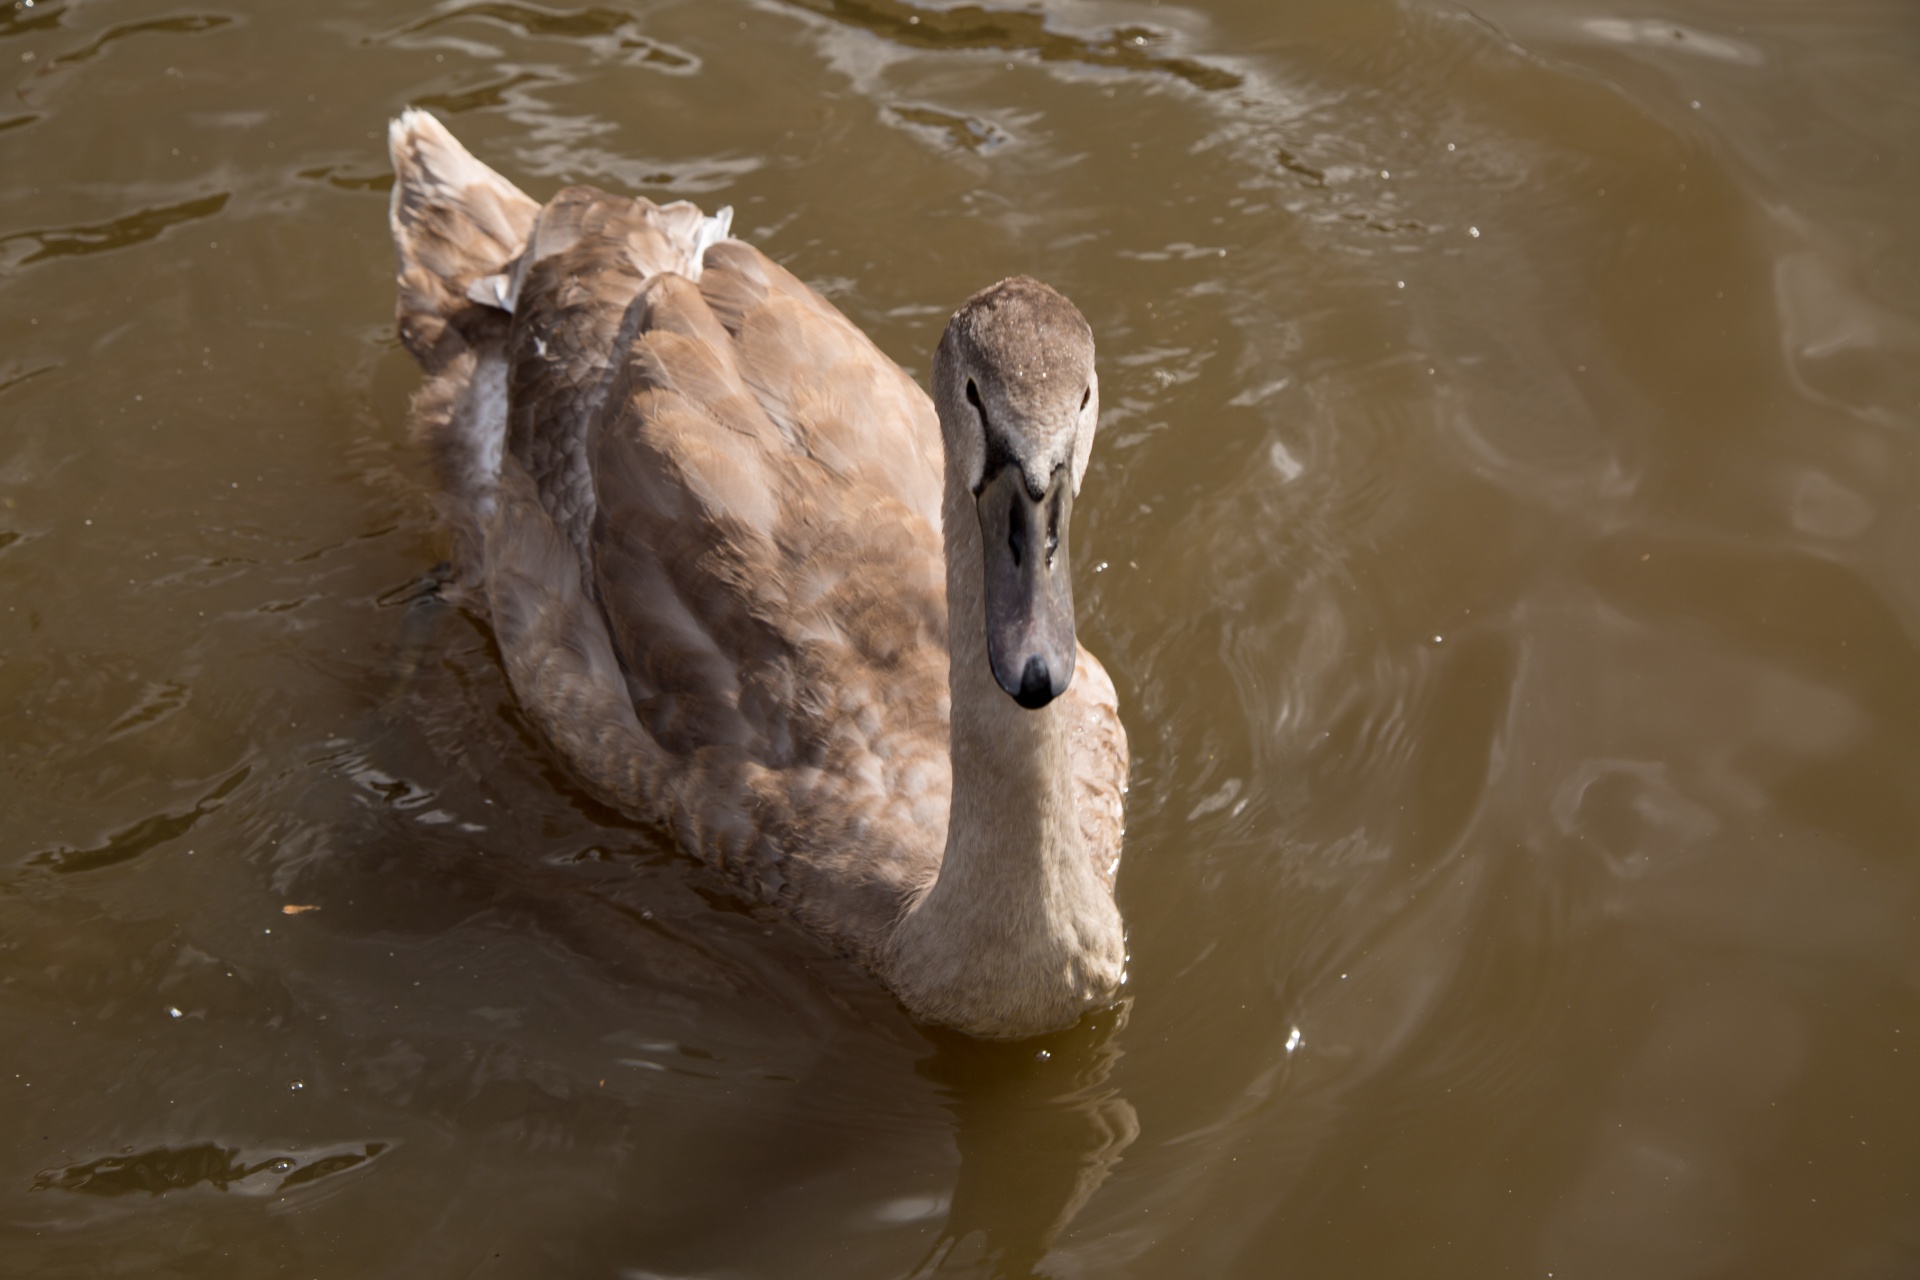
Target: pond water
{"points": [[1503, 536]]}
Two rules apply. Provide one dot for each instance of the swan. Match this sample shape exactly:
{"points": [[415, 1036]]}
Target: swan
{"points": [[753, 585]]}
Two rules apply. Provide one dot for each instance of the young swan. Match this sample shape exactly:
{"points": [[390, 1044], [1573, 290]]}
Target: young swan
{"points": [[705, 519], [1019, 933]]}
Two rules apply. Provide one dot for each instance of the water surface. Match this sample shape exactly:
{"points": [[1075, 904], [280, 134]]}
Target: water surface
{"points": [[1503, 536]]}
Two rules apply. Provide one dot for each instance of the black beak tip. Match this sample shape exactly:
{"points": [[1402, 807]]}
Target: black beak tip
{"points": [[1036, 685]]}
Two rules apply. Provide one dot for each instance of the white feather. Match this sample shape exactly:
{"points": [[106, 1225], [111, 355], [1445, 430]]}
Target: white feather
{"points": [[710, 232], [492, 291]]}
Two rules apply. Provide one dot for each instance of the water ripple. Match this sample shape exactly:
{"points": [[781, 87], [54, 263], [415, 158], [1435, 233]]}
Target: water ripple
{"points": [[191, 24], [973, 27], [129, 229]]}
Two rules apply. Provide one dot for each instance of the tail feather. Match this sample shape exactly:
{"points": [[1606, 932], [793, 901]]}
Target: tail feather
{"points": [[455, 222], [468, 242]]}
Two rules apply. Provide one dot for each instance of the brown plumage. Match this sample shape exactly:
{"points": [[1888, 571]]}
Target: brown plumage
{"points": [[704, 516]]}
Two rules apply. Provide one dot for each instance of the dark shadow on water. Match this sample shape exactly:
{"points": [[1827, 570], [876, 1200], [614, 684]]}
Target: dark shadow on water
{"points": [[18, 20], [190, 24], [163, 1169], [1039, 1126], [134, 228], [141, 837], [1018, 30], [480, 97]]}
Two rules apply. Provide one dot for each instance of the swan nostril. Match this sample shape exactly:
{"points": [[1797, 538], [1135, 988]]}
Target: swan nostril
{"points": [[1036, 684]]}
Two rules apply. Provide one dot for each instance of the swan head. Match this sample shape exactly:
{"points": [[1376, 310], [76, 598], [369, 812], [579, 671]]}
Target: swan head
{"points": [[1015, 388]]}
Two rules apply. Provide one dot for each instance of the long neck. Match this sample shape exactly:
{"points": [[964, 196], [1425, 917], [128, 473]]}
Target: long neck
{"points": [[1012, 834], [1017, 935]]}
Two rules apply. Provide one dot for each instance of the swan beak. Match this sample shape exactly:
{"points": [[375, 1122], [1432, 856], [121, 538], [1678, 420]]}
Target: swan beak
{"points": [[1029, 589]]}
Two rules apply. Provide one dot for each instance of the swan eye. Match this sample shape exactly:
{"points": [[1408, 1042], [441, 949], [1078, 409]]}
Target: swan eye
{"points": [[1086, 395]]}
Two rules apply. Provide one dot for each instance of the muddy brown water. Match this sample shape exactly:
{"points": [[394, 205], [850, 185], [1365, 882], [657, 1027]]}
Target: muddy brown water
{"points": [[1503, 535]]}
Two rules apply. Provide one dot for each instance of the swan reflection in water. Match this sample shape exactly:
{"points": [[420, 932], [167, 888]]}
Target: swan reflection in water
{"points": [[1039, 1126]]}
